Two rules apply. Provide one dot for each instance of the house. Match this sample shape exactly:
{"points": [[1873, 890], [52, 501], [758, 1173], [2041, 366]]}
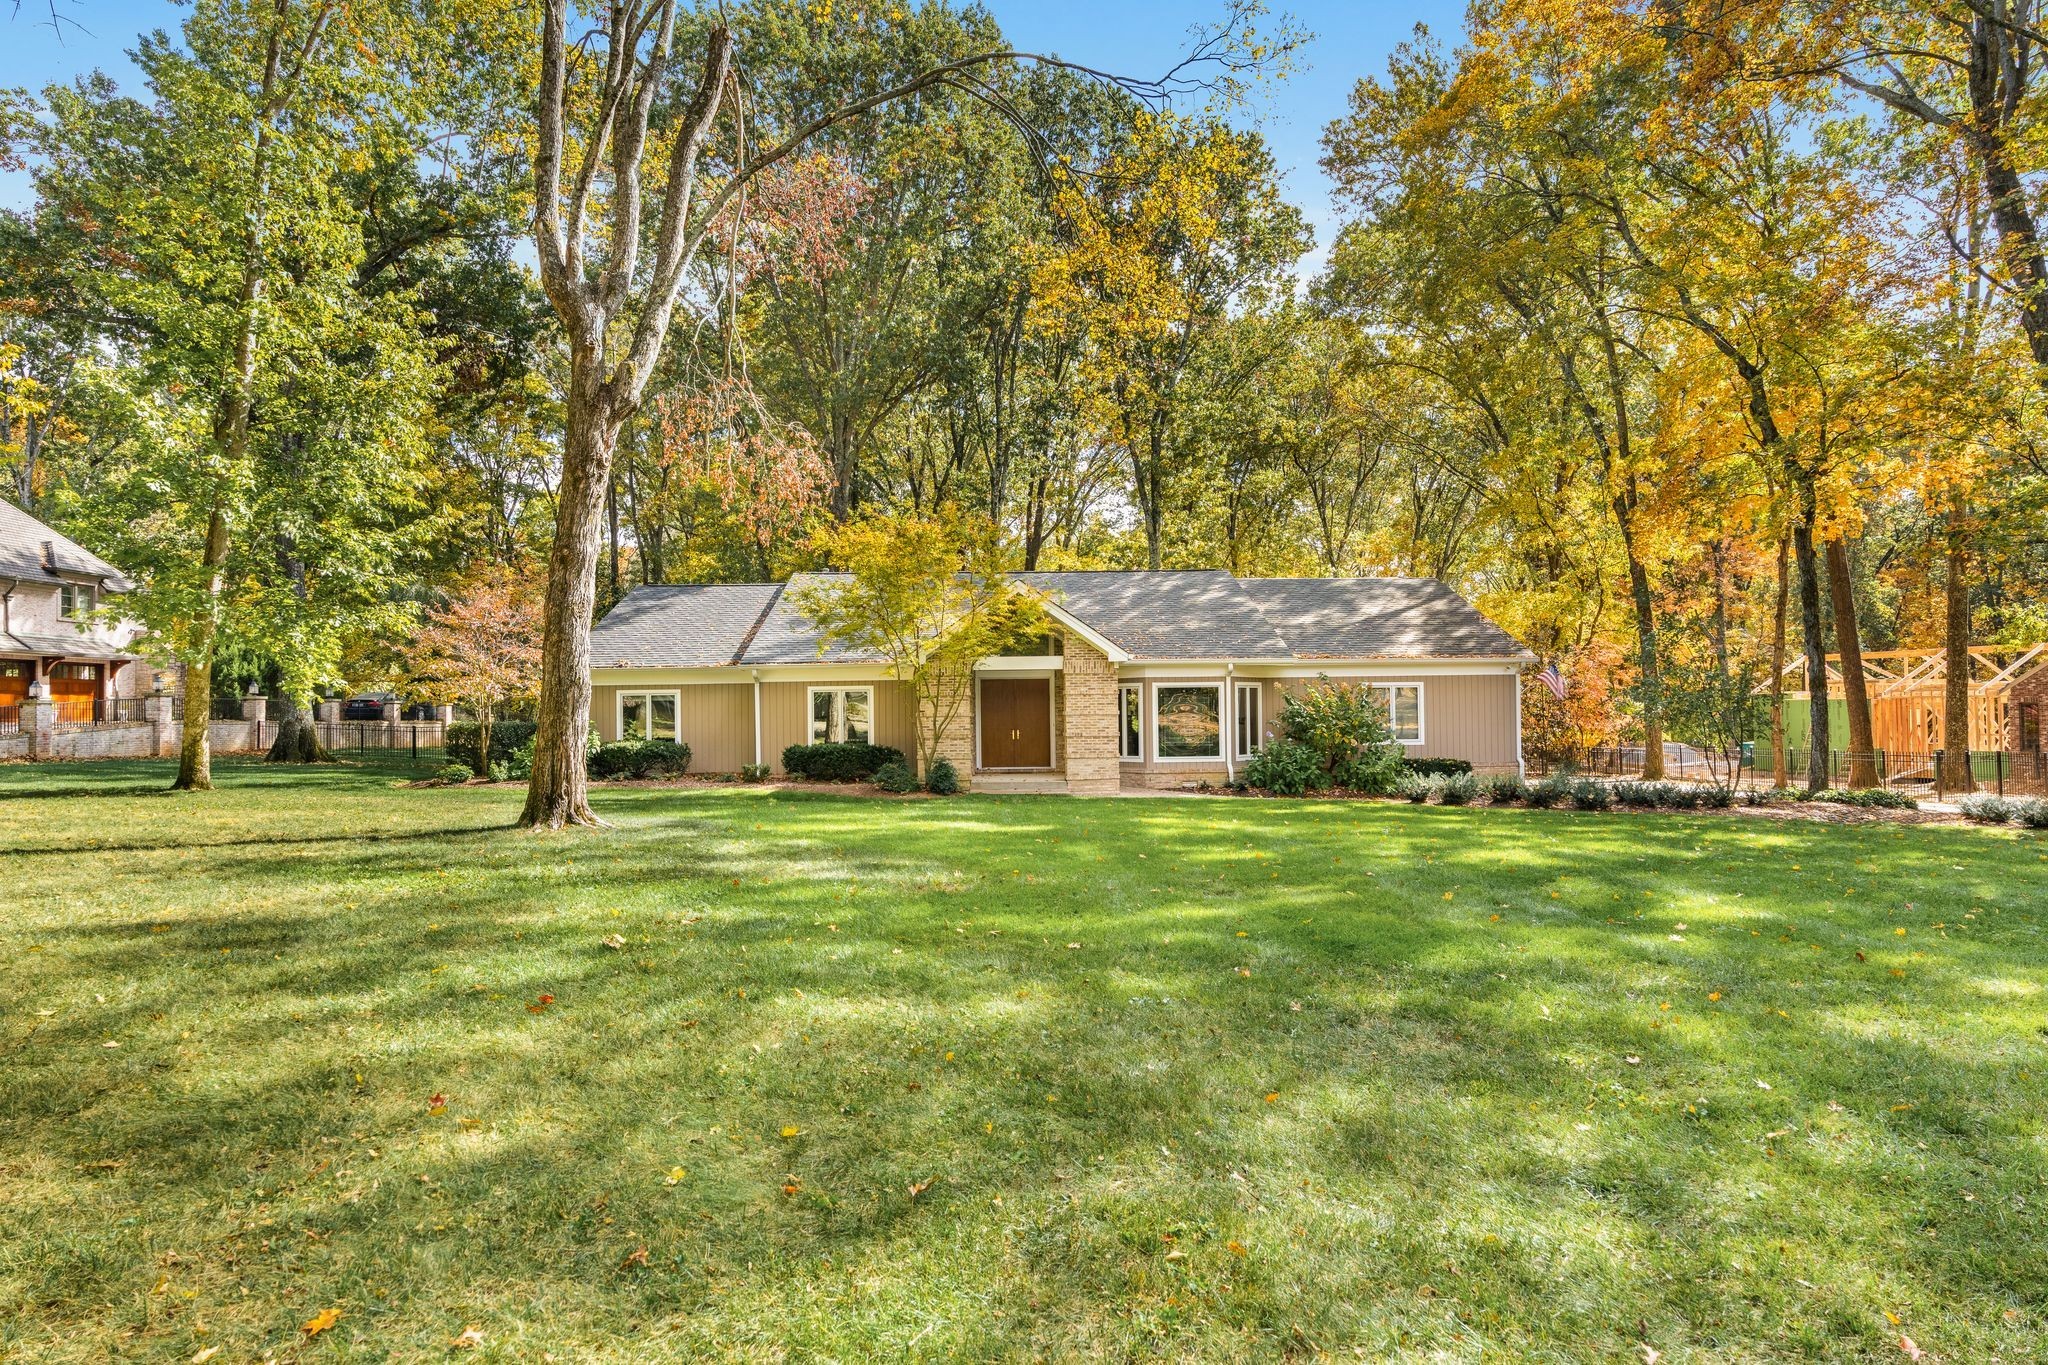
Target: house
{"points": [[1150, 679], [51, 643]]}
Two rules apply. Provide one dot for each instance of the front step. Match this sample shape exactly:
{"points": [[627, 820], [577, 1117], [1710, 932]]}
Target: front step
{"points": [[1020, 784]]}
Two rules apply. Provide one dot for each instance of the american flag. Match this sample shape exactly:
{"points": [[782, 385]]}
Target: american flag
{"points": [[1553, 680]]}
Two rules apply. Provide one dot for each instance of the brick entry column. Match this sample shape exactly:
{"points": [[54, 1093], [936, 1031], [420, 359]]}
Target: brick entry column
{"points": [[1089, 721]]}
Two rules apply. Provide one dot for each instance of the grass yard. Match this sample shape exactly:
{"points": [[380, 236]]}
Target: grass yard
{"points": [[1007, 1079]]}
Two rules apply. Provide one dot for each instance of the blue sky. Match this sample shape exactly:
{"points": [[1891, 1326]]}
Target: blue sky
{"points": [[1136, 37]]}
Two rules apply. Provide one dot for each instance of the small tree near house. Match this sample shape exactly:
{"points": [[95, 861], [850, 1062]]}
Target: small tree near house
{"points": [[481, 649], [929, 596]]}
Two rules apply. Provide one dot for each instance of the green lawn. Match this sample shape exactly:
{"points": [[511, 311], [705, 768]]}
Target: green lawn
{"points": [[1174, 1079]]}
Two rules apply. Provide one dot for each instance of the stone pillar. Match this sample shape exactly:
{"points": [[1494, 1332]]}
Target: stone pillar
{"points": [[255, 707], [1088, 721], [445, 713], [39, 723], [327, 711], [156, 709]]}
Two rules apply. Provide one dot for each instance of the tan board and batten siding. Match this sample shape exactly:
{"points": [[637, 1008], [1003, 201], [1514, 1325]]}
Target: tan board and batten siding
{"points": [[1464, 715], [718, 719]]}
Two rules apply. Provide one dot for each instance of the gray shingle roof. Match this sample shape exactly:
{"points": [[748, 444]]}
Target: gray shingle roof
{"points": [[22, 538], [1149, 614], [685, 625], [1166, 613], [1378, 618]]}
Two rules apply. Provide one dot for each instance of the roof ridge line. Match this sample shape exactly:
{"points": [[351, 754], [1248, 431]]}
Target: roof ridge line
{"points": [[747, 640]]}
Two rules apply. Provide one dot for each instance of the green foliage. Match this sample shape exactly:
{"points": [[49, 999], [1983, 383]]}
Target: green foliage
{"points": [[755, 772], [640, 758], [1504, 788], [838, 762], [1987, 808], [1457, 789], [1286, 767], [454, 772], [508, 737], [1345, 727], [1436, 767], [519, 763], [2032, 812], [1870, 798], [941, 778], [896, 776], [1589, 793], [1553, 790], [1413, 788]]}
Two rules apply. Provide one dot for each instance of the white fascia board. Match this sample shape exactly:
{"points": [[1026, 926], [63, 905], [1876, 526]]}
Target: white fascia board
{"points": [[745, 673], [1116, 653], [1299, 668]]}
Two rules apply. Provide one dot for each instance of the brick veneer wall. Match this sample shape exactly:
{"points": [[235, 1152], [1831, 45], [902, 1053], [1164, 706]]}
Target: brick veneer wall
{"points": [[1088, 720], [956, 746]]}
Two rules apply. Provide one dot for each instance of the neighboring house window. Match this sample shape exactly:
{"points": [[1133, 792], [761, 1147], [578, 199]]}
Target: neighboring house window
{"points": [[1250, 718], [74, 600], [1130, 730], [1189, 720], [1404, 710], [650, 715], [841, 715]]}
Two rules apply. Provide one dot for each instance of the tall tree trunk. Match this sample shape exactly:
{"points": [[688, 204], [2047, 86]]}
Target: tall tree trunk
{"points": [[1780, 777], [298, 737], [1955, 719], [1813, 640], [560, 791], [1855, 689], [195, 751]]}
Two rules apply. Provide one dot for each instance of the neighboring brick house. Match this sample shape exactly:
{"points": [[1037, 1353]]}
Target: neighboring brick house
{"points": [[53, 641], [1150, 679]]}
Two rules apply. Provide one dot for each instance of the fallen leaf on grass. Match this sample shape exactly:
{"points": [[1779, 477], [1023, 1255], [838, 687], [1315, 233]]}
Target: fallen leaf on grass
{"points": [[204, 1354], [437, 1105], [320, 1321], [468, 1339], [615, 942], [636, 1257], [1912, 1352], [919, 1187]]}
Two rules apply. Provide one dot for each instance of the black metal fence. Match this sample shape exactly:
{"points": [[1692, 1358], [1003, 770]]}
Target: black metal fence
{"points": [[1922, 772]]}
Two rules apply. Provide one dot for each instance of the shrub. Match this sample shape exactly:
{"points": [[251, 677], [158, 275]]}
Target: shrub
{"points": [[1458, 789], [1870, 798], [895, 776], [941, 778], [1345, 726], [518, 764], [1718, 798], [1769, 796], [1591, 794], [1502, 788], [1437, 767], [1286, 767], [500, 773], [506, 736], [640, 758], [754, 772], [1413, 789], [1683, 795], [1987, 809], [452, 773], [2032, 812], [1553, 790], [838, 762]]}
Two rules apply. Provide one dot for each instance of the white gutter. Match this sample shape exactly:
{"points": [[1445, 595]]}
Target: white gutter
{"points": [[1227, 723], [1521, 764], [757, 717]]}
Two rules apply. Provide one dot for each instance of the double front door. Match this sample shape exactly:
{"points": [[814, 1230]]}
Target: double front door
{"points": [[1016, 723]]}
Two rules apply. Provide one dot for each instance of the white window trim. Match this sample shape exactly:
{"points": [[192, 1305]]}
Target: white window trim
{"points": [[1139, 690], [77, 590], [1421, 705], [811, 709], [1222, 717], [1258, 690], [619, 709]]}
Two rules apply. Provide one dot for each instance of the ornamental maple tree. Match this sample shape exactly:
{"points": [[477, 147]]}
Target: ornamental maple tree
{"points": [[480, 649]]}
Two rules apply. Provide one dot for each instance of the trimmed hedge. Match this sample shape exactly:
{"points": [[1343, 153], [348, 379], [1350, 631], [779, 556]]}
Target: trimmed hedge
{"points": [[1437, 767], [895, 776], [941, 778], [506, 737], [838, 762], [640, 758]]}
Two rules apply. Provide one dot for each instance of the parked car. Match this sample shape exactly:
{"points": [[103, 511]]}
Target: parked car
{"points": [[367, 707]]}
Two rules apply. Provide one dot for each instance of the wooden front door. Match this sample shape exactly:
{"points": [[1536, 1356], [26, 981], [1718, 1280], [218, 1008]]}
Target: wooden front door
{"points": [[1016, 723]]}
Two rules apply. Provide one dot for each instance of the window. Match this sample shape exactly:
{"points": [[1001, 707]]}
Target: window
{"points": [[1404, 710], [650, 715], [1190, 720], [1250, 719], [74, 600], [76, 672], [1130, 729], [841, 715]]}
